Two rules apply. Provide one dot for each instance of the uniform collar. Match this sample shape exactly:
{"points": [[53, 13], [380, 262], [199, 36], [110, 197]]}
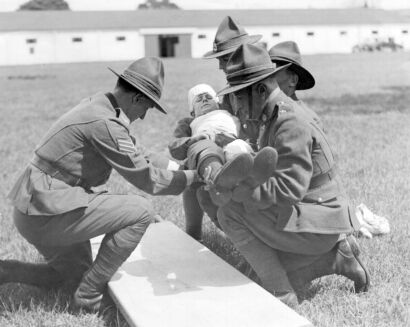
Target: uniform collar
{"points": [[275, 98], [120, 114]]}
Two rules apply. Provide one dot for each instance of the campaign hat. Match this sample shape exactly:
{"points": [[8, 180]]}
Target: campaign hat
{"points": [[288, 52], [248, 65], [228, 37], [147, 76]]}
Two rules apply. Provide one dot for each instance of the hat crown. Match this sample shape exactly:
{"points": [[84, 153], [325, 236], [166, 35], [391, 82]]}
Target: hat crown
{"points": [[228, 30], [288, 51], [147, 72], [147, 76], [247, 62]]}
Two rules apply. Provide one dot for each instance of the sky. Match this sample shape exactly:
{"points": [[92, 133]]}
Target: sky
{"points": [[12, 5]]}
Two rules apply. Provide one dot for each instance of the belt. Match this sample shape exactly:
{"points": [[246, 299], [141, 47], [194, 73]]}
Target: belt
{"points": [[322, 179], [47, 168]]}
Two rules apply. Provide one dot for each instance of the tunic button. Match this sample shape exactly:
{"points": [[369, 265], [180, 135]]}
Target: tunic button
{"points": [[319, 199]]}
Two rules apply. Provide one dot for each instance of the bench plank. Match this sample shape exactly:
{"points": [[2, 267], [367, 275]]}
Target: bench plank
{"points": [[172, 280]]}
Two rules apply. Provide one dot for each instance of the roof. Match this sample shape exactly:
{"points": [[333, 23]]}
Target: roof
{"points": [[108, 20]]}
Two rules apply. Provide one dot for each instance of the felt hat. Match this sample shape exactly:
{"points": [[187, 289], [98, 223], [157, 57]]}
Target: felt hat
{"points": [[199, 89], [228, 37], [288, 52], [147, 76], [248, 65]]}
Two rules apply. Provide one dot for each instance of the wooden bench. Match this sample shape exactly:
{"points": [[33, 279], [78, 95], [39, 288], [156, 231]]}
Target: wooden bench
{"points": [[171, 280]]}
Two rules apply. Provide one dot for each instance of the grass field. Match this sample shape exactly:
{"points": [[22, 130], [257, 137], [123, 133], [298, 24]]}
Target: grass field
{"points": [[364, 100]]}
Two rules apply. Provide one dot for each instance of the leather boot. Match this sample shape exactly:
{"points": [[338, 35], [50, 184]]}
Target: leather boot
{"points": [[348, 264], [90, 291], [264, 165], [233, 171], [229, 175], [41, 275], [342, 260]]}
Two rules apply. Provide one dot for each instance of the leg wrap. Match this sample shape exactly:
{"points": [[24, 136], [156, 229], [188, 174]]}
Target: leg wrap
{"points": [[202, 150]]}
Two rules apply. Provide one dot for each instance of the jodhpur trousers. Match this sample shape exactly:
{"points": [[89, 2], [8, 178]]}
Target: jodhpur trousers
{"points": [[63, 239]]}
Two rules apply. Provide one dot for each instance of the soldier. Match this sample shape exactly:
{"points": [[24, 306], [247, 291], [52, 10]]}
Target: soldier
{"points": [[293, 228], [295, 77], [196, 200], [55, 208]]}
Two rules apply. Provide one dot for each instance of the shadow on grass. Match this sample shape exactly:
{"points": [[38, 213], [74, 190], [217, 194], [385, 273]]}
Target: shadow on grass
{"points": [[395, 98]]}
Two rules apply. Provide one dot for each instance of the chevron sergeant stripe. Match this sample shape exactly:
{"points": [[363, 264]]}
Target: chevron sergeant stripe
{"points": [[126, 145]]}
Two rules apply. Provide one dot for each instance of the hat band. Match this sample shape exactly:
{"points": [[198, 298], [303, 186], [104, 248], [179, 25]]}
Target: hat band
{"points": [[287, 59], [233, 42], [243, 77], [143, 81]]}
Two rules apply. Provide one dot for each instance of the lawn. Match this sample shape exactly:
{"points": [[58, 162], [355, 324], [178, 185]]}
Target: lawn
{"points": [[364, 101]]}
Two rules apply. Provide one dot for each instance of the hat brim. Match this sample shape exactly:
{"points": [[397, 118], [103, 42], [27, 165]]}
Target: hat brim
{"points": [[215, 54], [142, 89], [235, 88], [306, 79]]}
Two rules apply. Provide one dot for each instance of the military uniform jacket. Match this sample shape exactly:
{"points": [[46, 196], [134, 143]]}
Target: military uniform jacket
{"points": [[303, 193], [79, 152]]}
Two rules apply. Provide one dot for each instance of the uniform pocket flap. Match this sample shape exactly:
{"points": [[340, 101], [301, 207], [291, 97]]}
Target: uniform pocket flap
{"points": [[324, 193]]}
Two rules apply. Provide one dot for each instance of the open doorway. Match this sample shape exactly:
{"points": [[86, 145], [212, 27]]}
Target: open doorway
{"points": [[167, 45]]}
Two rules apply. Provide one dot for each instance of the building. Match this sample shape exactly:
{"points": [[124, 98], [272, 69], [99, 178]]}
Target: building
{"points": [[33, 37]]}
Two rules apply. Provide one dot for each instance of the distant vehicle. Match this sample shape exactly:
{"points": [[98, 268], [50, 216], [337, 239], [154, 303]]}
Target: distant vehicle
{"points": [[384, 44]]}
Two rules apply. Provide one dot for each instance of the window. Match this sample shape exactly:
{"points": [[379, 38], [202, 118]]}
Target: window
{"points": [[201, 36], [404, 32], [343, 33], [310, 33], [121, 38], [77, 39], [276, 34], [375, 32], [31, 41]]}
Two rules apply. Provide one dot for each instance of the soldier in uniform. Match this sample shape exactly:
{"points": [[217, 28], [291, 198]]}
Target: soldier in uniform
{"points": [[55, 208], [196, 199], [295, 227], [295, 77]]}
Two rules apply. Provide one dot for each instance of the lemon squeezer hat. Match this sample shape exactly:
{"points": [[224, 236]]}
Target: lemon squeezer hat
{"points": [[228, 38], [288, 52], [248, 65], [147, 76]]}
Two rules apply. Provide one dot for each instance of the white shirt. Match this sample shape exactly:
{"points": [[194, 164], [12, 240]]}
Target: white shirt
{"points": [[216, 122]]}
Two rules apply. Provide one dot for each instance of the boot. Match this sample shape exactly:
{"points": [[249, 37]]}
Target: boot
{"points": [[342, 260], [41, 275], [233, 172], [348, 264], [264, 165], [225, 177], [89, 293]]}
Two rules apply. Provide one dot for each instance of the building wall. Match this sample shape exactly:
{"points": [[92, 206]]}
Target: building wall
{"points": [[83, 46], [19, 48]]}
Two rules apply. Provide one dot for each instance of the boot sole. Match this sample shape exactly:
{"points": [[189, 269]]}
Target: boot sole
{"points": [[264, 165], [234, 171]]}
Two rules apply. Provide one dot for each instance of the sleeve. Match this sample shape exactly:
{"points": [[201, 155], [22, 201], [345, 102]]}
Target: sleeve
{"points": [[178, 147], [290, 182], [114, 143]]}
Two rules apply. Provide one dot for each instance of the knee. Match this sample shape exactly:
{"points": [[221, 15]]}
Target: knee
{"points": [[140, 211]]}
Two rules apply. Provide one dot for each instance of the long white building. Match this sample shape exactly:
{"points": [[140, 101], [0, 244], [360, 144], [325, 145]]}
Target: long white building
{"points": [[70, 36]]}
